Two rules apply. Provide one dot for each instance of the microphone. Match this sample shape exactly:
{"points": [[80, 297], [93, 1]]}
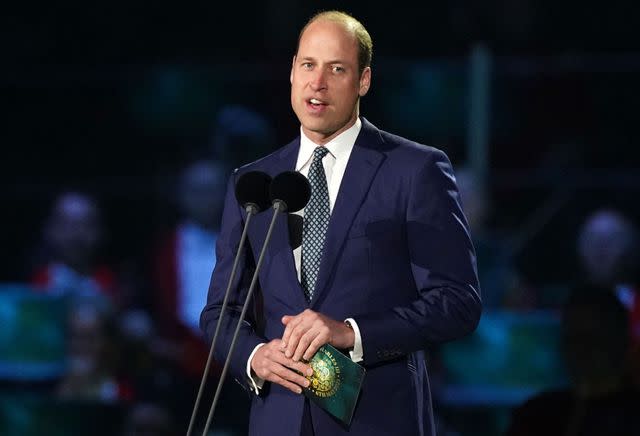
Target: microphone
{"points": [[289, 191], [280, 188], [295, 224], [252, 192]]}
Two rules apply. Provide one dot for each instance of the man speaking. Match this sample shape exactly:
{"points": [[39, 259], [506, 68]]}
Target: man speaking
{"points": [[384, 270]]}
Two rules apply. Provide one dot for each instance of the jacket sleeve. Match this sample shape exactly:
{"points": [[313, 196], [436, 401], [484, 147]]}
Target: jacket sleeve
{"points": [[226, 249], [443, 264]]}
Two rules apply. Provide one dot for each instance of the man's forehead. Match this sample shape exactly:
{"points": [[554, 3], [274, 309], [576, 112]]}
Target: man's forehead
{"points": [[331, 44], [325, 27]]}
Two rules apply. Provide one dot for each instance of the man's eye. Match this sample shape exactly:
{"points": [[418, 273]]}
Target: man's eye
{"points": [[307, 65], [338, 69]]}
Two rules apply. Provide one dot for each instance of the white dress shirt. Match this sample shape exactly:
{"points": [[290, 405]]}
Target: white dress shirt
{"points": [[334, 163]]}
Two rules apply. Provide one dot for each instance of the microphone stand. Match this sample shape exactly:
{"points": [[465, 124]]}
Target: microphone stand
{"points": [[251, 210], [278, 206]]}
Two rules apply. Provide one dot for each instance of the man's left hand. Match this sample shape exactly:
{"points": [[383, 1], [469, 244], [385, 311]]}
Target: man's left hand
{"points": [[306, 332]]}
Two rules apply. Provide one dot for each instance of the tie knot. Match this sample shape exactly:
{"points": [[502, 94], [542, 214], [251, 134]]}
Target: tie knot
{"points": [[320, 152]]}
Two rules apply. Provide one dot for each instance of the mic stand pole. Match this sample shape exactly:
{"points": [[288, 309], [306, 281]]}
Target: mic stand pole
{"points": [[278, 206], [251, 211]]}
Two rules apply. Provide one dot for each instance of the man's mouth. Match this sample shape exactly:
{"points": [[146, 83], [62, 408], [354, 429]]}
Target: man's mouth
{"points": [[316, 102]]}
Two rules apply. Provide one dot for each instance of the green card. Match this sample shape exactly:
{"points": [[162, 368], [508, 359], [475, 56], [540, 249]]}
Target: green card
{"points": [[335, 383]]}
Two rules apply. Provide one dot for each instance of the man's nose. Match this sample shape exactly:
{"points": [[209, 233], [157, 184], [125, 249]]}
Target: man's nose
{"points": [[319, 80]]}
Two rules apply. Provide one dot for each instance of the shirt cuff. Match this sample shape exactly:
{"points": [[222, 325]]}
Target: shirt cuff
{"points": [[256, 382], [357, 353]]}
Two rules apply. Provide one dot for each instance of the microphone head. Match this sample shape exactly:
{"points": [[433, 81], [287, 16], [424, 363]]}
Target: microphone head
{"points": [[295, 224], [252, 188], [292, 189]]}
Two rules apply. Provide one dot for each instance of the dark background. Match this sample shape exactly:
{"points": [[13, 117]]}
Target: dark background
{"points": [[114, 98]]}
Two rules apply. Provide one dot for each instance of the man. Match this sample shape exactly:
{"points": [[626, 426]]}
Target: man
{"points": [[73, 236], [385, 246], [185, 254], [608, 253], [599, 400], [183, 264]]}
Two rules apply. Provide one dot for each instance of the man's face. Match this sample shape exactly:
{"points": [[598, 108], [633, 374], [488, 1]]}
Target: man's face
{"points": [[603, 245], [325, 82], [74, 230]]}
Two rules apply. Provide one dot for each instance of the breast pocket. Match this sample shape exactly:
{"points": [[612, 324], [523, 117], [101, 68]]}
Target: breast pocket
{"points": [[384, 229], [376, 229], [387, 245]]}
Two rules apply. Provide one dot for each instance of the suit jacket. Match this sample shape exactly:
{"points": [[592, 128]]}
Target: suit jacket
{"points": [[398, 258]]}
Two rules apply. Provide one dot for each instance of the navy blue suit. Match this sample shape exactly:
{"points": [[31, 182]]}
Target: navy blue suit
{"points": [[398, 258]]}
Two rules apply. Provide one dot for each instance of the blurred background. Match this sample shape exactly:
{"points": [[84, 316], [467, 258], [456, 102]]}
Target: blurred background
{"points": [[123, 120]]}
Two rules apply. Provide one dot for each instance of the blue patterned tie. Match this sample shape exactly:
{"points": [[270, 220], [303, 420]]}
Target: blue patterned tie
{"points": [[316, 221]]}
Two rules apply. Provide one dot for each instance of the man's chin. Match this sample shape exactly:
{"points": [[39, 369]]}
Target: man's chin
{"points": [[318, 128]]}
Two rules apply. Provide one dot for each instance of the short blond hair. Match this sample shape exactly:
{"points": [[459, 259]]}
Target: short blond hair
{"points": [[365, 45]]}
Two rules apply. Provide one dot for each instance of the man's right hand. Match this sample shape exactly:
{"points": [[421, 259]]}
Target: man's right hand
{"points": [[270, 364]]}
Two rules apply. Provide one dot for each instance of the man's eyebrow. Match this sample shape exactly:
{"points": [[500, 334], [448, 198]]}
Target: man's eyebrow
{"points": [[312, 59]]}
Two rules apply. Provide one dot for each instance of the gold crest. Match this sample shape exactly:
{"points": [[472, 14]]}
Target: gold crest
{"points": [[326, 377]]}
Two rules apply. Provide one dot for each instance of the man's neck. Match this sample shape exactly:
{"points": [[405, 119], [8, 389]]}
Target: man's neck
{"points": [[320, 138]]}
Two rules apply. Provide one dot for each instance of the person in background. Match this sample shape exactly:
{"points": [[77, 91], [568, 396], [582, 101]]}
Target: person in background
{"points": [[72, 266], [609, 252], [240, 135], [91, 358], [600, 399], [182, 265]]}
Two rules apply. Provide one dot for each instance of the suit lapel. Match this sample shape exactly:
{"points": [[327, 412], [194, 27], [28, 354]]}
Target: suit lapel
{"points": [[279, 249], [363, 165]]}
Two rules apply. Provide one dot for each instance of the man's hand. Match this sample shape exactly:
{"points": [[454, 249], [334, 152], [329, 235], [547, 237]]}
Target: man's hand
{"points": [[309, 330], [270, 363]]}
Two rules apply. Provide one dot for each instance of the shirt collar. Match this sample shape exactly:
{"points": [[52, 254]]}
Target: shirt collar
{"points": [[339, 147]]}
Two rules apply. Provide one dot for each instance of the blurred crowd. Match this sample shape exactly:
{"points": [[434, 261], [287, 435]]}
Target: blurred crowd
{"points": [[126, 343], [133, 346]]}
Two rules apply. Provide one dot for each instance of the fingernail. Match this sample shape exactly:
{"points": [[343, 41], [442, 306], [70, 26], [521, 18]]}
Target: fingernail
{"points": [[299, 390], [306, 383], [309, 372]]}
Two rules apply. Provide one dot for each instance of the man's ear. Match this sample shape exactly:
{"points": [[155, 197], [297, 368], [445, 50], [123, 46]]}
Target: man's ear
{"points": [[365, 82], [293, 63]]}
